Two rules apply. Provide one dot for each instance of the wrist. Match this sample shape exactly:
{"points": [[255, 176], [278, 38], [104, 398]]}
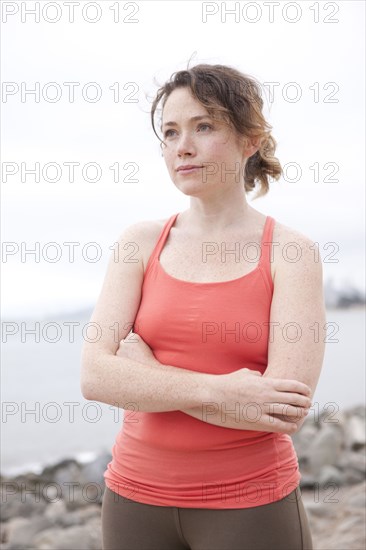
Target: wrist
{"points": [[209, 392]]}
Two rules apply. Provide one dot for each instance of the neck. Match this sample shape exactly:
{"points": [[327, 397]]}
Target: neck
{"points": [[216, 216]]}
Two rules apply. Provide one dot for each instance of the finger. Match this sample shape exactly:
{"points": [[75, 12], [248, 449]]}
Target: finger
{"points": [[284, 426], [288, 410], [292, 386], [294, 399], [279, 425]]}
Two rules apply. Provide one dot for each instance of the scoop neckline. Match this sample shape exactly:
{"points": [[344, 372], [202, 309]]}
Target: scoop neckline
{"points": [[257, 268]]}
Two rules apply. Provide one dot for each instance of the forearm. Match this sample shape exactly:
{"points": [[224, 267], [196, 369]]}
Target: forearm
{"points": [[239, 418], [218, 415], [151, 387], [211, 413]]}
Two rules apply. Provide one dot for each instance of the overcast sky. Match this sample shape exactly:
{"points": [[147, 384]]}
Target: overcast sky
{"points": [[313, 51]]}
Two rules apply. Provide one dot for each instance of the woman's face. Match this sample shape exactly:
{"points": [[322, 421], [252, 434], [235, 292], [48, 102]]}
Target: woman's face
{"points": [[207, 143]]}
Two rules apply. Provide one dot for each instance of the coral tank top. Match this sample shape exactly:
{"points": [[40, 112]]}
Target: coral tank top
{"points": [[171, 458]]}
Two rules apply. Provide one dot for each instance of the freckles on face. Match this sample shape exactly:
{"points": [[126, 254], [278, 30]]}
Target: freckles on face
{"points": [[198, 145], [182, 114]]}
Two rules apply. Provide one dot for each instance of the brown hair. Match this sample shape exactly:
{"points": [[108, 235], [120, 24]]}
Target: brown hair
{"points": [[234, 97]]}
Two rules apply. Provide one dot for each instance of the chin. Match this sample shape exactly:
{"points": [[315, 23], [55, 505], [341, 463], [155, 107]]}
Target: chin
{"points": [[191, 188]]}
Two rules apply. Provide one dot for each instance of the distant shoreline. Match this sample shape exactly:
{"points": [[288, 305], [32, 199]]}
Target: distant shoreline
{"points": [[86, 314], [346, 308]]}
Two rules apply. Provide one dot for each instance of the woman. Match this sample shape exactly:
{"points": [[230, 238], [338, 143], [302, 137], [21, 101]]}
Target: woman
{"points": [[222, 361]]}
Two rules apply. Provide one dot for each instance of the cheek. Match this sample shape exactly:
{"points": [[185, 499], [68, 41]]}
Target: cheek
{"points": [[169, 159], [218, 148]]}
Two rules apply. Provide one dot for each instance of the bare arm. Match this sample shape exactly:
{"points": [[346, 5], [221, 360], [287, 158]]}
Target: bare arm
{"points": [[296, 343], [119, 380], [298, 312], [262, 411], [228, 394]]}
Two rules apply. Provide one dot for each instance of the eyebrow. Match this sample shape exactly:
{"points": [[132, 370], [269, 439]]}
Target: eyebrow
{"points": [[198, 117]]}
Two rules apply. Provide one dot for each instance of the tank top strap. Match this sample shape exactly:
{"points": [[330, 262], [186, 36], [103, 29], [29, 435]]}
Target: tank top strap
{"points": [[266, 258], [161, 241]]}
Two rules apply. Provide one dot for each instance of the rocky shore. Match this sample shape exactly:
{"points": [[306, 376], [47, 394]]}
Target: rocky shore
{"points": [[61, 507]]}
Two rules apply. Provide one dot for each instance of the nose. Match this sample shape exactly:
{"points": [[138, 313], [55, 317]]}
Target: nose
{"points": [[185, 144]]}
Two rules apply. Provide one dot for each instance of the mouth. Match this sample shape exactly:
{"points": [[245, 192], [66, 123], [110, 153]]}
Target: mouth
{"points": [[188, 169]]}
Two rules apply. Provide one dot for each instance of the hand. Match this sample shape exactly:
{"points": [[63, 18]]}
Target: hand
{"points": [[134, 347], [279, 403]]}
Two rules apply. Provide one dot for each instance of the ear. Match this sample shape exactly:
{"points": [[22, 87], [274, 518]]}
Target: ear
{"points": [[251, 146], [254, 146]]}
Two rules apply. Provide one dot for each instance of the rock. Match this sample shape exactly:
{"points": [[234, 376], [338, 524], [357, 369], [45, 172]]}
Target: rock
{"points": [[18, 532], [331, 416], [303, 438], [66, 472], [325, 448], [319, 509], [350, 523], [78, 485], [353, 459], [358, 410], [330, 475], [354, 491], [20, 504], [355, 433], [334, 523], [353, 465], [358, 500], [55, 511], [307, 480], [83, 495], [72, 538], [352, 477], [92, 472], [80, 516], [91, 480], [61, 507]]}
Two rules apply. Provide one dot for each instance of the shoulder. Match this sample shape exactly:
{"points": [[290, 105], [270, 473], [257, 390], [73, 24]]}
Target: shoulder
{"points": [[294, 252], [144, 235], [284, 234], [145, 229]]}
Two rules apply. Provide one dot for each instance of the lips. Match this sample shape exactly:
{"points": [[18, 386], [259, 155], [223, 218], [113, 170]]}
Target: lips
{"points": [[187, 167]]}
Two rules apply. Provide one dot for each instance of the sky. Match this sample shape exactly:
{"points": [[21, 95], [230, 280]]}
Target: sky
{"points": [[114, 55]]}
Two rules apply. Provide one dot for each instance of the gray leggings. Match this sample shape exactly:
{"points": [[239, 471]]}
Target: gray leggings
{"points": [[131, 525]]}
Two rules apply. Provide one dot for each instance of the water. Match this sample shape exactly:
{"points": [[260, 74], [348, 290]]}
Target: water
{"points": [[45, 418]]}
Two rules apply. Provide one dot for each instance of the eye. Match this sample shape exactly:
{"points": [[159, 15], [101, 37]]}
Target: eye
{"points": [[166, 134], [205, 124]]}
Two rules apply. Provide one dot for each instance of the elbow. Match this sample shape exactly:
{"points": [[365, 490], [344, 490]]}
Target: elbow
{"points": [[89, 373], [87, 384], [86, 387], [86, 391]]}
